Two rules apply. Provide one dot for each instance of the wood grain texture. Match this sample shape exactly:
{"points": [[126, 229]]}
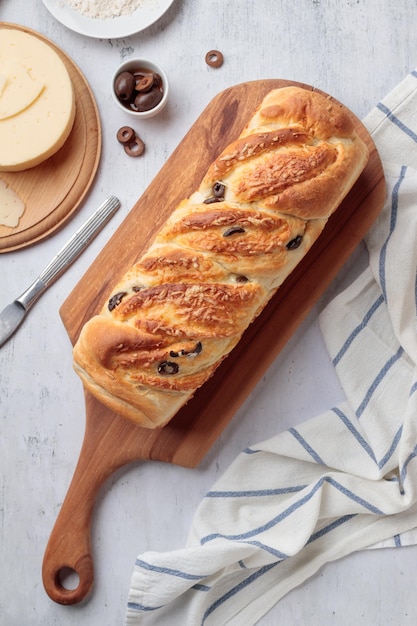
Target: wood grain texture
{"points": [[111, 441], [53, 190]]}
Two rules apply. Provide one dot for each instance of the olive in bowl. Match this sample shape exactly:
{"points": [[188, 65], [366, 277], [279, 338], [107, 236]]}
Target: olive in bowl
{"points": [[140, 87]]}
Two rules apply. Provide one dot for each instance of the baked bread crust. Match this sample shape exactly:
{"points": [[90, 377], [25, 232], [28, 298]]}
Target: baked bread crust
{"points": [[220, 257]]}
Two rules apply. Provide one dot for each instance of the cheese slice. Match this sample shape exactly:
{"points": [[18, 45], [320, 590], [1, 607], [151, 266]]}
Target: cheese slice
{"points": [[37, 103], [11, 206]]}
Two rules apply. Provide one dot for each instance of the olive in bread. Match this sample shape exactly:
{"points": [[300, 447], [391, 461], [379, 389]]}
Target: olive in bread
{"points": [[220, 256]]}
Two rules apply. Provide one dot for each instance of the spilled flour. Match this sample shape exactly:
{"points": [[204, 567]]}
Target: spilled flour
{"points": [[105, 9]]}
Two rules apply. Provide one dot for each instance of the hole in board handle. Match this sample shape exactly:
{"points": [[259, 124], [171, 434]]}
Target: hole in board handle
{"points": [[68, 578]]}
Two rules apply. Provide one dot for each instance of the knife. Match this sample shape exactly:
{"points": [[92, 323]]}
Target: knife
{"points": [[13, 315]]}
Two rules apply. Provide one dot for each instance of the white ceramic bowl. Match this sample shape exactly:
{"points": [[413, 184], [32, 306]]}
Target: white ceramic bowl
{"points": [[131, 66]]}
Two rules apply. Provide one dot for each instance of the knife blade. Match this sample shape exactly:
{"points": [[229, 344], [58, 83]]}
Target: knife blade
{"points": [[13, 315]]}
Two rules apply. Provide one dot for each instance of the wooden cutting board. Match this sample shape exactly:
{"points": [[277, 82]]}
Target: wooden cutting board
{"points": [[53, 190], [111, 441]]}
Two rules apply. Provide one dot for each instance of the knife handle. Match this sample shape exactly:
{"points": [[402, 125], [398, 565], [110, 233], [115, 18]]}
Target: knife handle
{"points": [[79, 241], [70, 251]]}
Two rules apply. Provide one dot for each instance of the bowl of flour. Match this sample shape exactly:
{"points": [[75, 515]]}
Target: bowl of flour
{"points": [[107, 19]]}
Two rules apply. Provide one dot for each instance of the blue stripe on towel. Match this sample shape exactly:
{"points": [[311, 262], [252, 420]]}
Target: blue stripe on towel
{"points": [[348, 493], [232, 592], [255, 493], [135, 606], [411, 457], [168, 571], [393, 222], [251, 451], [362, 442], [358, 329], [327, 529], [377, 381], [392, 448], [354, 431], [395, 120], [293, 507], [306, 446], [280, 555], [200, 587]]}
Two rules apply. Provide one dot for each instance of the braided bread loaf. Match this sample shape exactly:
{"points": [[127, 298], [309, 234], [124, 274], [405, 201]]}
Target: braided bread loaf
{"points": [[220, 257]]}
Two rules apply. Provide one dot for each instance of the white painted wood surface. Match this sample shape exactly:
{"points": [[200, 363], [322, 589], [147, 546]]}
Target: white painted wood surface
{"points": [[356, 50]]}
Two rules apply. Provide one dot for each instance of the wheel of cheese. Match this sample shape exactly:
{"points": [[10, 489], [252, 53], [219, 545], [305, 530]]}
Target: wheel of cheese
{"points": [[37, 103]]}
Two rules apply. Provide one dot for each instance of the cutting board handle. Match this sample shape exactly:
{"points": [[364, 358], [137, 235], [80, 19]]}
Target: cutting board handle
{"points": [[109, 443], [69, 546]]}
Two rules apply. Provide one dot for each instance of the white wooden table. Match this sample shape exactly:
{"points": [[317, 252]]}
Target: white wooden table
{"points": [[355, 50]]}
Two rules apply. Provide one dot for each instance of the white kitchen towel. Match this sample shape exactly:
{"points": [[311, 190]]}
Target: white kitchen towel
{"points": [[340, 482]]}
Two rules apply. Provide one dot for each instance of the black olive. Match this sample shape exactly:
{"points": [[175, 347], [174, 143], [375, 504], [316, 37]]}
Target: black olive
{"points": [[241, 279], [157, 80], [233, 230], [218, 194], [116, 300], [168, 368], [147, 100], [145, 83], [196, 350], [218, 190], [137, 288], [295, 243], [124, 86], [212, 199]]}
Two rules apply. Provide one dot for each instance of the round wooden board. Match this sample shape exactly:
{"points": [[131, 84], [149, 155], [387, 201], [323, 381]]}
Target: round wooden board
{"points": [[53, 190]]}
